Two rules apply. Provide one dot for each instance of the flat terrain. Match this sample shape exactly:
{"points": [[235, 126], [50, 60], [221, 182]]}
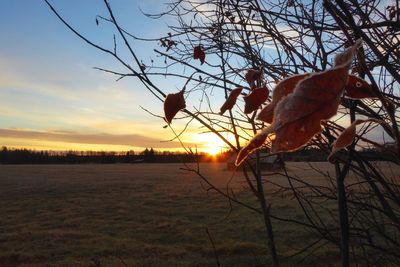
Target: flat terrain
{"points": [[140, 215]]}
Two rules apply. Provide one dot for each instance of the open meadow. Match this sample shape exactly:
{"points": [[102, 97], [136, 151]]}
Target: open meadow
{"points": [[144, 215]]}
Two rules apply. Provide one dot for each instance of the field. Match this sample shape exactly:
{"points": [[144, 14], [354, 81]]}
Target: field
{"points": [[140, 215]]}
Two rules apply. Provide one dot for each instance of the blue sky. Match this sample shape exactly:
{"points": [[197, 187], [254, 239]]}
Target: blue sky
{"points": [[48, 85]]}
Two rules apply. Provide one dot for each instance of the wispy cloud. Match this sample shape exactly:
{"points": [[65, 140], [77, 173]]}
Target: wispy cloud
{"points": [[97, 138]]}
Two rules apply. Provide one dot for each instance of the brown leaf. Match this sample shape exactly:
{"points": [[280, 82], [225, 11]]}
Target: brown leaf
{"points": [[254, 100], [314, 99], [347, 136], [198, 53], [172, 104], [231, 100], [282, 89], [294, 134], [358, 88], [253, 75], [392, 12]]}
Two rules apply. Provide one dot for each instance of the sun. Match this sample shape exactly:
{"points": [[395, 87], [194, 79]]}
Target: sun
{"points": [[210, 143], [212, 151]]}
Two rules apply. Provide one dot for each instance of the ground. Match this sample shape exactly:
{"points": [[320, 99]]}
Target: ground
{"points": [[140, 215]]}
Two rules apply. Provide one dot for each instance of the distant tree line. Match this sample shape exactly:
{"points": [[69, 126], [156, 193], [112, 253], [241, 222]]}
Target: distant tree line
{"points": [[28, 156]]}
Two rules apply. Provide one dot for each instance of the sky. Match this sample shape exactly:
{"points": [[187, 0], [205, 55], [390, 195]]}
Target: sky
{"points": [[51, 98]]}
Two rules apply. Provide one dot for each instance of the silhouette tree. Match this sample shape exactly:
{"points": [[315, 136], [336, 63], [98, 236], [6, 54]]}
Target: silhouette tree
{"points": [[241, 50]]}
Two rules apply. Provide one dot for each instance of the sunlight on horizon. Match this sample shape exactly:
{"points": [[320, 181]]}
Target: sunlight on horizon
{"points": [[211, 144]]}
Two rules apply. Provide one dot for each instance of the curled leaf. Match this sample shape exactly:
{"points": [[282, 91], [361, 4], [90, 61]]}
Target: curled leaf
{"points": [[172, 104], [347, 136], [282, 89], [199, 54], [358, 88], [254, 100], [231, 100], [252, 76], [298, 116]]}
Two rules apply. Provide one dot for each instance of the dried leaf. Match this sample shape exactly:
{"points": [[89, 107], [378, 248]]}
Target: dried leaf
{"points": [[294, 134], [252, 76], [316, 98], [290, 3], [198, 53], [254, 100], [358, 88], [282, 89], [298, 116], [231, 100], [347, 136], [172, 104], [392, 12]]}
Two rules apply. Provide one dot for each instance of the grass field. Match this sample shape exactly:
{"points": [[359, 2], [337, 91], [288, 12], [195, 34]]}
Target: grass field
{"points": [[139, 215]]}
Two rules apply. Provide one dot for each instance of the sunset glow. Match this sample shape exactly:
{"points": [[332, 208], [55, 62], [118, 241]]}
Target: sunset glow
{"points": [[211, 144], [212, 150]]}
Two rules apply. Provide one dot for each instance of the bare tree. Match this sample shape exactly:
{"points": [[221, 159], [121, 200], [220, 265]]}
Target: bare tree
{"points": [[247, 45]]}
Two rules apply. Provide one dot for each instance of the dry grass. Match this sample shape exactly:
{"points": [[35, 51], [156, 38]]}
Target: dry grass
{"points": [[138, 215]]}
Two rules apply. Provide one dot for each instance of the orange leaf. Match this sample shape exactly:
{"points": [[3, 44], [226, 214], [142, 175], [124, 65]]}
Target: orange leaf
{"points": [[253, 75], [346, 137], [231, 100], [358, 88], [172, 104], [254, 100], [314, 99], [198, 53], [282, 89]]}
